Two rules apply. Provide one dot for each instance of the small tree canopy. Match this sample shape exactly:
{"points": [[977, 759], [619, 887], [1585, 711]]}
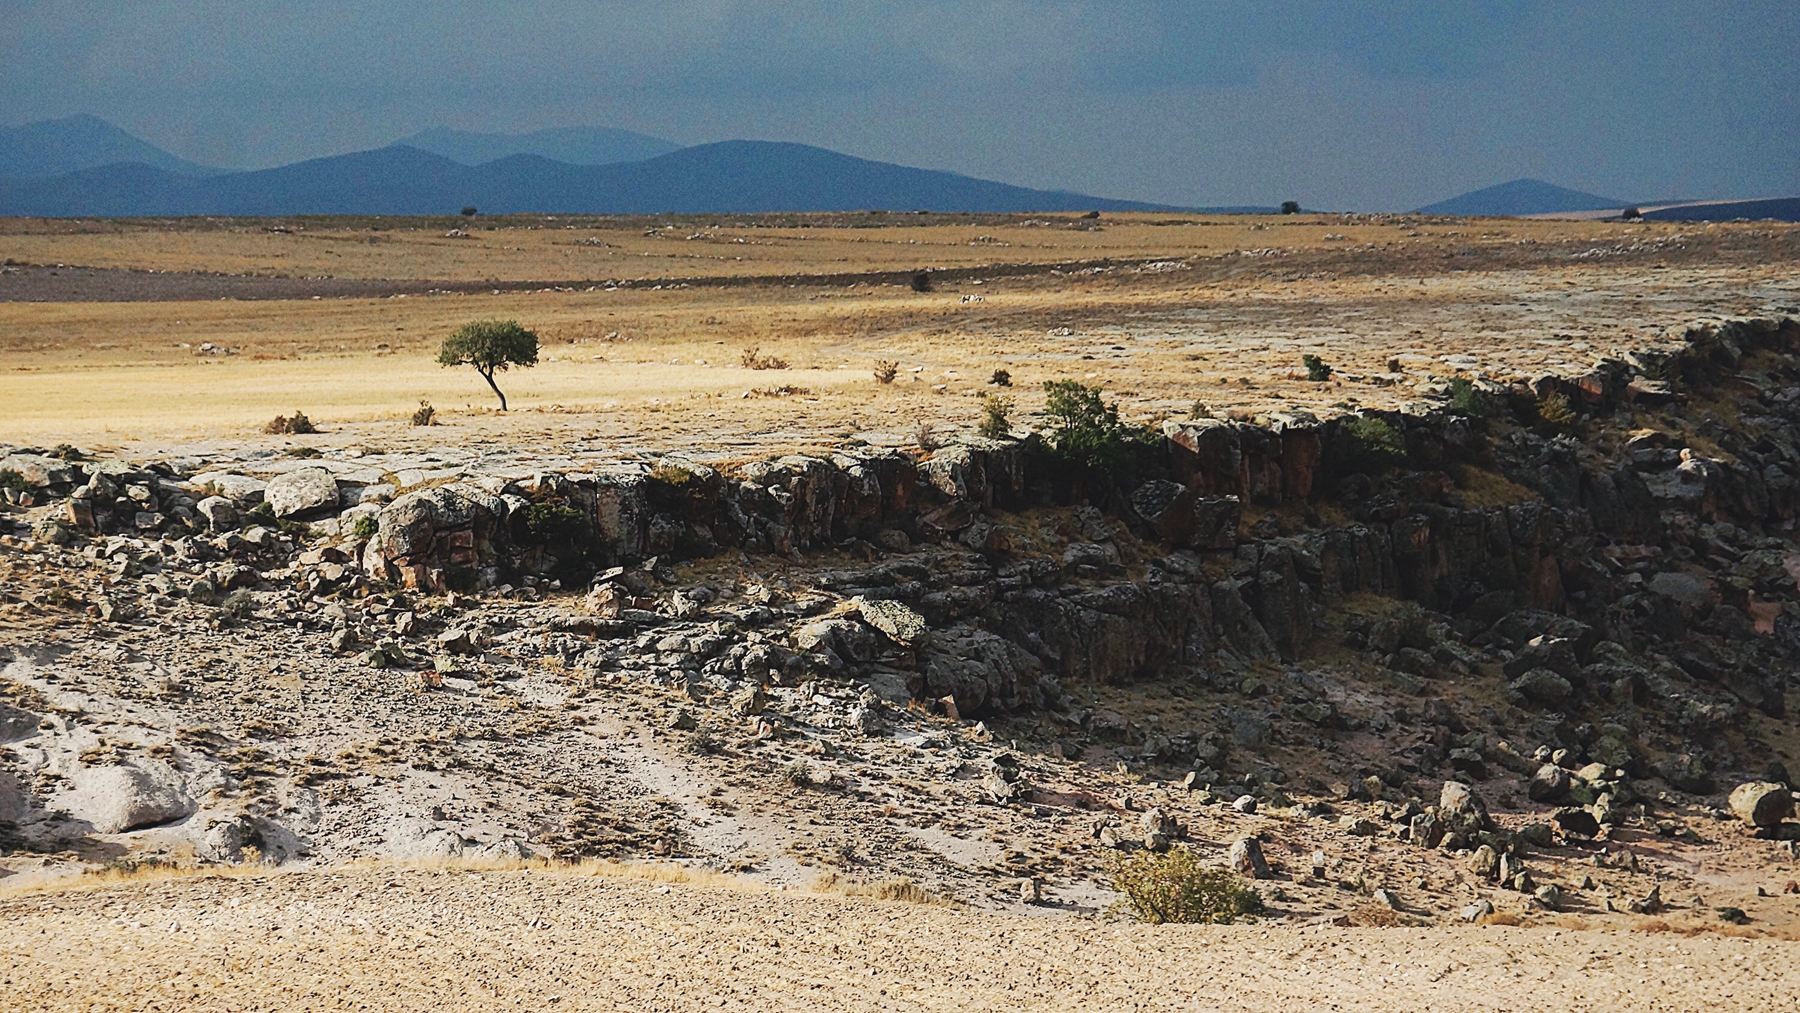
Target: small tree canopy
{"points": [[1290, 207], [490, 346]]}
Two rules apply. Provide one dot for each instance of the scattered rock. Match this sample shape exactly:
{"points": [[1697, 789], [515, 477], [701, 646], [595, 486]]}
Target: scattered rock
{"points": [[128, 795], [1246, 858]]}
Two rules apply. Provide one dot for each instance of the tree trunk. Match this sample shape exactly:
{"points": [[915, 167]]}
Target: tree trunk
{"points": [[489, 377]]}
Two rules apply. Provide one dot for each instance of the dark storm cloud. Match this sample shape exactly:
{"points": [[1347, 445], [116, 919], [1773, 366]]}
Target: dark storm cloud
{"points": [[1337, 104]]}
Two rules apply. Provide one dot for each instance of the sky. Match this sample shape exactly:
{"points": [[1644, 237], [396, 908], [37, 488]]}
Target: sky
{"points": [[1340, 105]]}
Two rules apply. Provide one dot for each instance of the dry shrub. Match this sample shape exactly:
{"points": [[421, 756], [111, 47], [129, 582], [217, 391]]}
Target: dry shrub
{"points": [[885, 371], [1375, 916], [900, 888], [926, 437], [1175, 887], [296, 425], [1500, 918], [754, 359]]}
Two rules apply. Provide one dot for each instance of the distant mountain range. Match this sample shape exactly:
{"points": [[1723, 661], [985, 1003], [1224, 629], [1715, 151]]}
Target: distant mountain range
{"points": [[56, 147], [574, 145], [1521, 197], [600, 172]]}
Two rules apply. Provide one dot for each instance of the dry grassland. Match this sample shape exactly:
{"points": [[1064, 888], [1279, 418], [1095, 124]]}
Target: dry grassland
{"points": [[1211, 313]]}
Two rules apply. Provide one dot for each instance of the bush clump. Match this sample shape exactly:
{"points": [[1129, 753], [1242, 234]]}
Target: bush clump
{"points": [[365, 527], [1467, 399], [12, 481], [1316, 369], [1175, 887], [295, 425], [994, 422], [1367, 444], [1088, 431], [885, 371], [1001, 378], [1554, 416], [752, 358]]}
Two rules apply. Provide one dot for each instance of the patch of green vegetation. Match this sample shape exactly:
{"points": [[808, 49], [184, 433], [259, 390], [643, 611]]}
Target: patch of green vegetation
{"points": [[1469, 400], [1368, 445], [994, 422], [1087, 431], [12, 481], [1316, 369], [1175, 887], [1554, 415], [365, 527]]}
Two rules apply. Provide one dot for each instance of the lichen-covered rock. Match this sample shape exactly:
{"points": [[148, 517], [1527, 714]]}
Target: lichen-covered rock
{"points": [[895, 620]]}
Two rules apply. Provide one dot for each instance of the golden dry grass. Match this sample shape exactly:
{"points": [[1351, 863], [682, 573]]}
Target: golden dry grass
{"points": [[637, 365]]}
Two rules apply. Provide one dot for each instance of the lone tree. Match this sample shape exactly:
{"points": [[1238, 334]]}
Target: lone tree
{"points": [[1290, 207], [490, 346]]}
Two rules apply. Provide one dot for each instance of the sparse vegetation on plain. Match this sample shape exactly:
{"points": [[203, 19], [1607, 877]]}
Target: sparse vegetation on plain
{"points": [[491, 346]]}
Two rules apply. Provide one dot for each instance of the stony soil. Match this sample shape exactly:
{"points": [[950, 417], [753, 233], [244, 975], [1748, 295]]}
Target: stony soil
{"points": [[452, 939]]}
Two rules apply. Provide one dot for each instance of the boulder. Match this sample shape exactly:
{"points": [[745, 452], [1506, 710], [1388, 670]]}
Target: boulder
{"points": [[1549, 784], [1484, 862], [303, 491], [1576, 820], [1689, 773], [1762, 803], [220, 513], [1462, 811], [126, 796], [896, 621], [1542, 686], [1246, 859]]}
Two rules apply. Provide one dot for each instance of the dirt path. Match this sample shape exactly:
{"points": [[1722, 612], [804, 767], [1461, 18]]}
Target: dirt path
{"points": [[452, 939]]}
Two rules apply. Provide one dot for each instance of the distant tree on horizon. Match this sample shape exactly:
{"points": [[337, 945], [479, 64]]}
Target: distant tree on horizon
{"points": [[1290, 207], [490, 346]]}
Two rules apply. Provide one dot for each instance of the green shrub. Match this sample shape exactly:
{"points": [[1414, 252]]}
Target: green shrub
{"points": [[1089, 432], [365, 528], [994, 412], [1468, 399], [1001, 378], [1175, 887], [1316, 370], [556, 525], [12, 481], [1368, 445]]}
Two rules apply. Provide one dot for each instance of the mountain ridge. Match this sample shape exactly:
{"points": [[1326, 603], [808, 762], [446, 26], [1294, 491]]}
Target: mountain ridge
{"points": [[1521, 197], [50, 148], [573, 145], [724, 177]]}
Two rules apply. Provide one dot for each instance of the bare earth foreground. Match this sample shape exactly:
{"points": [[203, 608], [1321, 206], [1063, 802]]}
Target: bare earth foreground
{"points": [[448, 938]]}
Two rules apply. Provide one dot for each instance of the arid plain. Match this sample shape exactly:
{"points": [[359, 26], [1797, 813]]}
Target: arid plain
{"points": [[384, 791]]}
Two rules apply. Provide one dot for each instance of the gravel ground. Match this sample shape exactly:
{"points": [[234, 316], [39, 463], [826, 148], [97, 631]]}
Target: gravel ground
{"points": [[402, 939]]}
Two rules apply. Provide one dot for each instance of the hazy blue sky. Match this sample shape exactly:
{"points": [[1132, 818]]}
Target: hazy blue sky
{"points": [[1383, 105]]}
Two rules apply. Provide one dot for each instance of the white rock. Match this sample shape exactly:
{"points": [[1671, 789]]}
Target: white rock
{"points": [[301, 491], [136, 793]]}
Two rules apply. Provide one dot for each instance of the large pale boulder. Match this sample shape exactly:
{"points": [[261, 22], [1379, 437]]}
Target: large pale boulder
{"points": [[304, 491], [1762, 803], [125, 796]]}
